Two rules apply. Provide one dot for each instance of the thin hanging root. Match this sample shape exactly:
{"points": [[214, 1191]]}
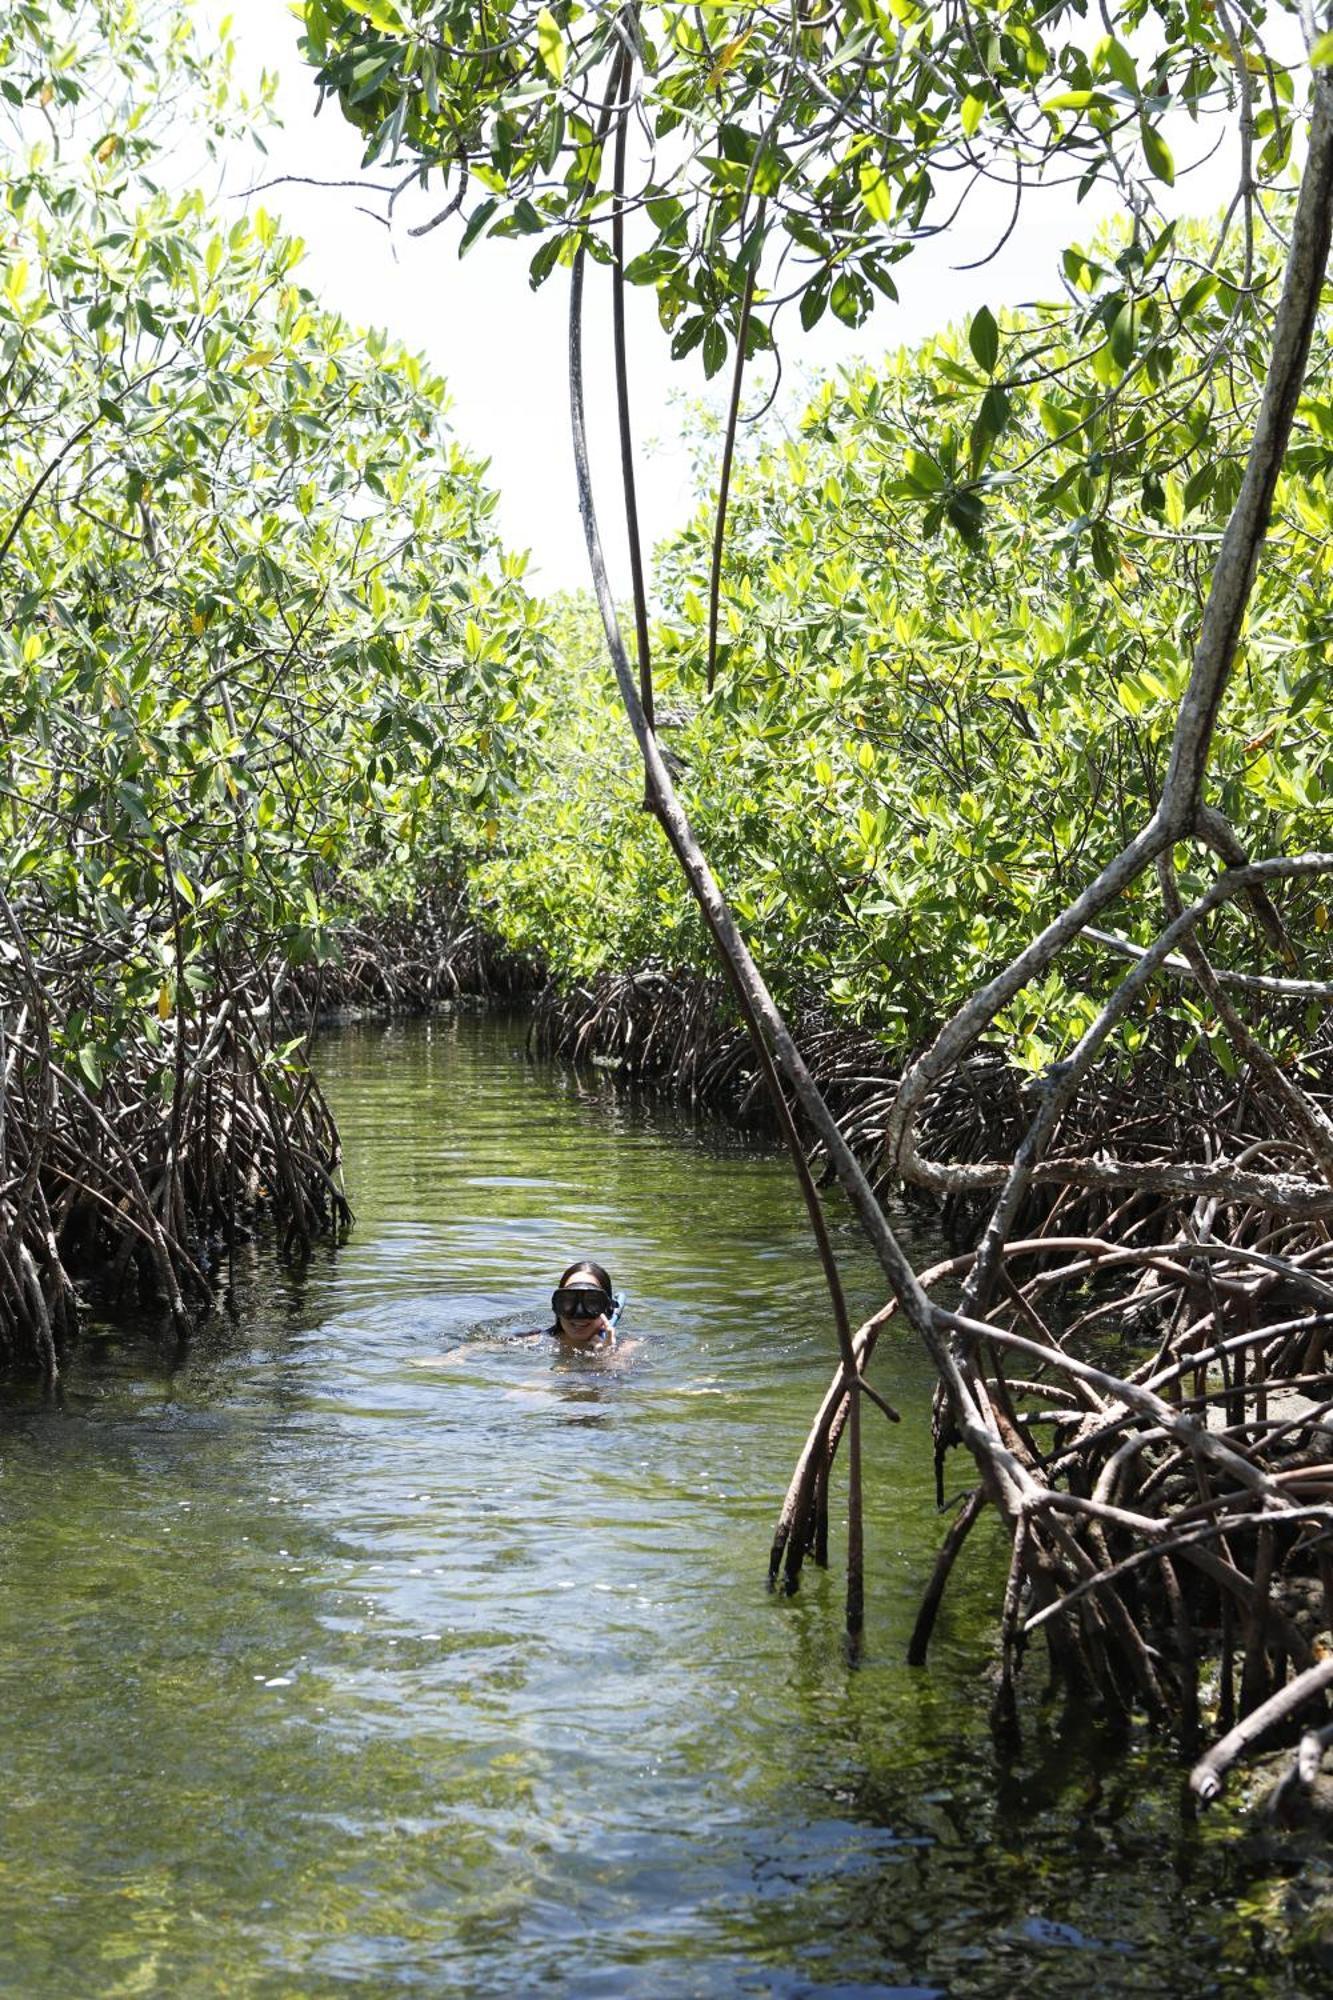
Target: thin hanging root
{"points": [[959, 1530], [1004, 1708]]}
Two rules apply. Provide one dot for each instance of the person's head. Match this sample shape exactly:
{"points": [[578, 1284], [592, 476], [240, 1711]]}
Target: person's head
{"points": [[581, 1299]]}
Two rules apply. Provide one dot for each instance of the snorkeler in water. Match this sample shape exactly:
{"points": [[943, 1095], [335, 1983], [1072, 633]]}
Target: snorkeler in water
{"points": [[585, 1308]]}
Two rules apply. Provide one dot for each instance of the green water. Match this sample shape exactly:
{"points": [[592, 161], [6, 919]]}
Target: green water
{"points": [[330, 1671]]}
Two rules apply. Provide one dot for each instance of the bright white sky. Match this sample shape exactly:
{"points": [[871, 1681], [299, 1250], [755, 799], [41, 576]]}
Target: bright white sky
{"points": [[501, 347]]}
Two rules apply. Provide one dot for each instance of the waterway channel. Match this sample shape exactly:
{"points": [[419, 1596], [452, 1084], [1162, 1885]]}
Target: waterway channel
{"points": [[333, 1665]]}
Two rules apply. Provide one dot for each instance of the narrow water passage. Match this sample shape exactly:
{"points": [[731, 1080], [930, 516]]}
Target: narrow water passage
{"points": [[333, 1666]]}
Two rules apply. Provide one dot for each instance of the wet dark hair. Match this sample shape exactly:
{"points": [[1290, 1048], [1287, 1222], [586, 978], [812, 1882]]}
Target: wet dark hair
{"points": [[593, 1270]]}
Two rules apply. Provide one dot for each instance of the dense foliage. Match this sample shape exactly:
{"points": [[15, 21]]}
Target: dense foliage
{"points": [[260, 647], [921, 740]]}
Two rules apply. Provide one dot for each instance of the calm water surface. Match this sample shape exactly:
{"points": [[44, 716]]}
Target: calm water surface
{"points": [[329, 1669]]}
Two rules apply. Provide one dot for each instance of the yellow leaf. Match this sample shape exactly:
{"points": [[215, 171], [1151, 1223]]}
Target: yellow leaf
{"points": [[727, 58], [550, 43], [163, 1002]]}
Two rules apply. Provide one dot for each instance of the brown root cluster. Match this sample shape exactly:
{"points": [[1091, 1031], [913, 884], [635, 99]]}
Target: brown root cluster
{"points": [[407, 961], [665, 1029], [676, 1032], [135, 1151], [1158, 1394], [126, 1179], [127, 1189]]}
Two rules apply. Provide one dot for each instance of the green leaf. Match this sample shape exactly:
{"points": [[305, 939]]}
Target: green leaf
{"points": [[923, 472], [876, 193], [650, 266], [715, 349], [1160, 247], [1199, 487], [983, 337], [814, 299], [1120, 62], [477, 222], [550, 43], [991, 420], [1157, 153], [1123, 335], [544, 261], [1321, 52], [1309, 684], [966, 514], [1201, 290], [688, 335], [850, 298]]}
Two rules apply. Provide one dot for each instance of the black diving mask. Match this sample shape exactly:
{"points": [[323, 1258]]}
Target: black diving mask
{"points": [[580, 1302]]}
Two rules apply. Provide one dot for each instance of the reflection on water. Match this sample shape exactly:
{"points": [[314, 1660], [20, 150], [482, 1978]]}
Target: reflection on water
{"points": [[333, 1669]]}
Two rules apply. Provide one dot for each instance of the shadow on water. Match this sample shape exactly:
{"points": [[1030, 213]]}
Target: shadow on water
{"points": [[336, 1665]]}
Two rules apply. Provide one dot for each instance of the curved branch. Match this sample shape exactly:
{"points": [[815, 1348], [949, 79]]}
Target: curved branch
{"points": [[1244, 982]]}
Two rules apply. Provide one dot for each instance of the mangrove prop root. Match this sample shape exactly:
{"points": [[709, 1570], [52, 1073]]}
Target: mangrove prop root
{"points": [[123, 1189], [1226, 1304], [959, 1529], [127, 1189]]}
